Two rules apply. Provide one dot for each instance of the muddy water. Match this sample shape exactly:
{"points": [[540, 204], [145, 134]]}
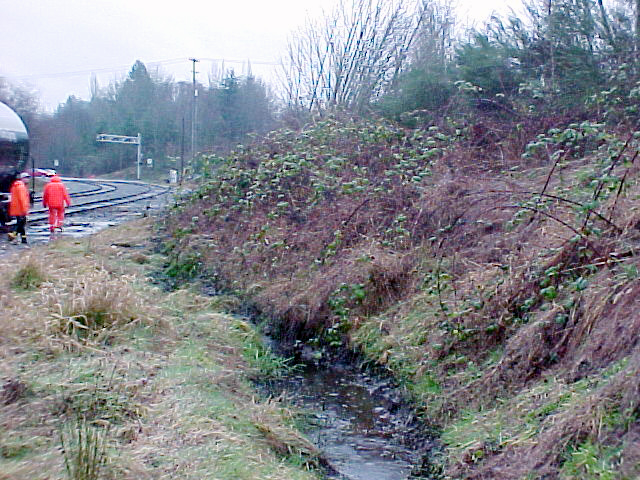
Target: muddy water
{"points": [[357, 421]]}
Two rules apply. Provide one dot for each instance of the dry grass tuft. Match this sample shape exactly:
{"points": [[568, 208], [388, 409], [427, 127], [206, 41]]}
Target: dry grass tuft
{"points": [[592, 419], [95, 307], [284, 439]]}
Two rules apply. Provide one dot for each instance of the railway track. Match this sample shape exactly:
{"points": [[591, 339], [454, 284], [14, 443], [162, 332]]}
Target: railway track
{"points": [[88, 194]]}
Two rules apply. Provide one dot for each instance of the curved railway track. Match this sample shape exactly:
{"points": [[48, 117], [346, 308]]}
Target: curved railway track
{"points": [[89, 194]]}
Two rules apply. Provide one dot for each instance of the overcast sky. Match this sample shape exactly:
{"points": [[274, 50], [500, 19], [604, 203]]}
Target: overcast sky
{"points": [[55, 45]]}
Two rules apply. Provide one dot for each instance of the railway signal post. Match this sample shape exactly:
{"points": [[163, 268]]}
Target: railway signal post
{"points": [[109, 138]]}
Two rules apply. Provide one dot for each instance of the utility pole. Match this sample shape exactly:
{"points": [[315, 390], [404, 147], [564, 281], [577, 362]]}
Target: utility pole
{"points": [[195, 110], [182, 152], [139, 156]]}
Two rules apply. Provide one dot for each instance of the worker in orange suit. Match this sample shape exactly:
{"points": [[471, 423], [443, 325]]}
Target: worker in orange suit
{"points": [[19, 206], [55, 197]]}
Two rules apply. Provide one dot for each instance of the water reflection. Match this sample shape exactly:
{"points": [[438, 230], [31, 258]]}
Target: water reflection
{"points": [[351, 423]]}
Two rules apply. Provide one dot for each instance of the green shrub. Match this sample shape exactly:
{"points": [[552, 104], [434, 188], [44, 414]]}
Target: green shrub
{"points": [[28, 276]]}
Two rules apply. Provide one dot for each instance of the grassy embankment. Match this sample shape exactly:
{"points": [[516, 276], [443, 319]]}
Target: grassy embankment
{"points": [[493, 270], [135, 382]]}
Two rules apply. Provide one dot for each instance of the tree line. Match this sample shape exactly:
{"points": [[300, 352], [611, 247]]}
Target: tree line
{"points": [[145, 102], [554, 57], [412, 61]]}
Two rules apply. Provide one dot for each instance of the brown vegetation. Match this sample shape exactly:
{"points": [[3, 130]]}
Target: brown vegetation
{"points": [[475, 278]]}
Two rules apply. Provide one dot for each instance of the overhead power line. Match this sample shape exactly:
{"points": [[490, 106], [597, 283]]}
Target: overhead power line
{"points": [[94, 70], [36, 76], [252, 62]]}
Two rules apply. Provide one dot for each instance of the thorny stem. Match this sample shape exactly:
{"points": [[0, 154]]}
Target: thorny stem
{"points": [[562, 222], [546, 184], [613, 165], [624, 177], [345, 222], [438, 286], [600, 186], [554, 197]]}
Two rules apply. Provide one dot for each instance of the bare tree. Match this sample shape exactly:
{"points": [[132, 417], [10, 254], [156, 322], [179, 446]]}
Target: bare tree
{"points": [[434, 42], [351, 55], [22, 99]]}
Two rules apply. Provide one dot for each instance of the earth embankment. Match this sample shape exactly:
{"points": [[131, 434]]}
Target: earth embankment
{"points": [[495, 278]]}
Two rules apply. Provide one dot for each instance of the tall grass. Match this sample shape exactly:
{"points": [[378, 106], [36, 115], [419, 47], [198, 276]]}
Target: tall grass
{"points": [[262, 361], [95, 308], [84, 447]]}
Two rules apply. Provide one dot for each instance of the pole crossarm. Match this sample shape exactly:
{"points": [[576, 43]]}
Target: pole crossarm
{"points": [[108, 138]]}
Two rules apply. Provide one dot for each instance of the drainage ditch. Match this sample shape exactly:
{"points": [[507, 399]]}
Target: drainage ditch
{"points": [[360, 422]]}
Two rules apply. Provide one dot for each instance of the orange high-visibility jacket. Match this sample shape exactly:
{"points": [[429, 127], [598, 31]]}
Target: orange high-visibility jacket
{"points": [[55, 194], [19, 205]]}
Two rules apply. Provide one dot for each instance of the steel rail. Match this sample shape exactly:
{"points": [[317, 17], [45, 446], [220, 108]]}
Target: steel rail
{"points": [[147, 191], [94, 189]]}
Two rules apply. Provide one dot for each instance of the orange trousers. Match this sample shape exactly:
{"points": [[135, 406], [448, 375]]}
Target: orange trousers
{"points": [[56, 217]]}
